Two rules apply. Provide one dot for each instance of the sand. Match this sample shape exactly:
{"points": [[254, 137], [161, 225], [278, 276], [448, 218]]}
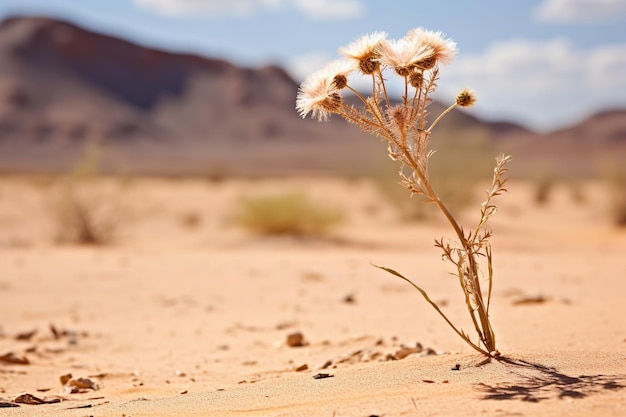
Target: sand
{"points": [[185, 313]]}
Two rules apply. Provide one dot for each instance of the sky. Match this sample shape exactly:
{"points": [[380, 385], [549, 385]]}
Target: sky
{"points": [[541, 63]]}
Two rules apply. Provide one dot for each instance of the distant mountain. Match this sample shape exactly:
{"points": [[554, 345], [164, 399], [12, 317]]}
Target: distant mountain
{"points": [[63, 88]]}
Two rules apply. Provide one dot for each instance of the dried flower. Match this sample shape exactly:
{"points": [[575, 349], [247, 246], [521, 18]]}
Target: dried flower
{"points": [[466, 98], [403, 55], [319, 94], [416, 79], [442, 50], [407, 130], [364, 51]]}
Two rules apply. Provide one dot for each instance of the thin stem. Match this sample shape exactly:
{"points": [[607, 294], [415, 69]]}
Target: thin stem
{"points": [[446, 111], [382, 82], [436, 307], [484, 331]]}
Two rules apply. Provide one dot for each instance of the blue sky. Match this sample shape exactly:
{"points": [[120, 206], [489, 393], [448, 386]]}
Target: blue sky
{"points": [[543, 63]]}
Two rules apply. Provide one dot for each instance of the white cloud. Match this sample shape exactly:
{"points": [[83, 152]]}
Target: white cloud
{"points": [[314, 9], [547, 84], [567, 11], [301, 66], [541, 84], [206, 7], [330, 9]]}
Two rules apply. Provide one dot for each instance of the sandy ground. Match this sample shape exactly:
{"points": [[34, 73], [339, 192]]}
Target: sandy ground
{"points": [[187, 314]]}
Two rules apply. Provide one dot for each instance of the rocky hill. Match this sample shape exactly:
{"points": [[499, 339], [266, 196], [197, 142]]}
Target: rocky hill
{"points": [[64, 88]]}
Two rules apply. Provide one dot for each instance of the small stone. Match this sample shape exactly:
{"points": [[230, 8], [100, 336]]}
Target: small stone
{"points": [[405, 351], [349, 299], [295, 339], [302, 367], [429, 352], [65, 378], [83, 384]]}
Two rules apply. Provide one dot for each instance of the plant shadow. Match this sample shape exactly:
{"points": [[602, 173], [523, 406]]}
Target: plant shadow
{"points": [[537, 382]]}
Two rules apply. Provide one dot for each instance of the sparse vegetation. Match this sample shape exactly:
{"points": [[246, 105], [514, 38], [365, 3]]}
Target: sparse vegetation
{"points": [[80, 215], [544, 185], [79, 219], [618, 200], [286, 214], [406, 129]]}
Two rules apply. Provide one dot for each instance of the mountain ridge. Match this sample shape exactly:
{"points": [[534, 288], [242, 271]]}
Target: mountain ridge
{"points": [[63, 87]]}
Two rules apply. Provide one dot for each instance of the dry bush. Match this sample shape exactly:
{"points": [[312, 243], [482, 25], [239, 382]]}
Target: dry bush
{"points": [[83, 219], [618, 200], [544, 186], [81, 214], [286, 214]]}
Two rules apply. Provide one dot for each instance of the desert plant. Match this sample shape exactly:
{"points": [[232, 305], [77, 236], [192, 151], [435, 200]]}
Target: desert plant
{"points": [[404, 125], [289, 213], [80, 219], [544, 186], [618, 200], [82, 216]]}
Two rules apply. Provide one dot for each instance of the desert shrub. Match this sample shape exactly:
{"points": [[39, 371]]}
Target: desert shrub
{"points": [[81, 214], [289, 213], [544, 185], [79, 218], [618, 200]]}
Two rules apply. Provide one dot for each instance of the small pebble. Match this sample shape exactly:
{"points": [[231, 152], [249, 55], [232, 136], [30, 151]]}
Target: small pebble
{"points": [[295, 339]]}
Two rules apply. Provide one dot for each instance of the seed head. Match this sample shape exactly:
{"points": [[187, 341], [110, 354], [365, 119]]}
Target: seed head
{"points": [[364, 52], [441, 49], [466, 98], [416, 79], [402, 55], [319, 93]]}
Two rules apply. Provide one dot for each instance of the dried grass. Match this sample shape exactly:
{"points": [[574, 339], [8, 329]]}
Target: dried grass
{"points": [[286, 214]]}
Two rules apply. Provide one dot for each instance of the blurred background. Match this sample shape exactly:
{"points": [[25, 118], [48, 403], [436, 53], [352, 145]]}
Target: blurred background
{"points": [[206, 89]]}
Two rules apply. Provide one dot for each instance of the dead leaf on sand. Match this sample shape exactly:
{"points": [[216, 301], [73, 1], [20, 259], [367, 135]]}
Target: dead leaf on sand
{"points": [[83, 384], [322, 376], [26, 335], [30, 399], [14, 358], [7, 404], [77, 385], [530, 300]]}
